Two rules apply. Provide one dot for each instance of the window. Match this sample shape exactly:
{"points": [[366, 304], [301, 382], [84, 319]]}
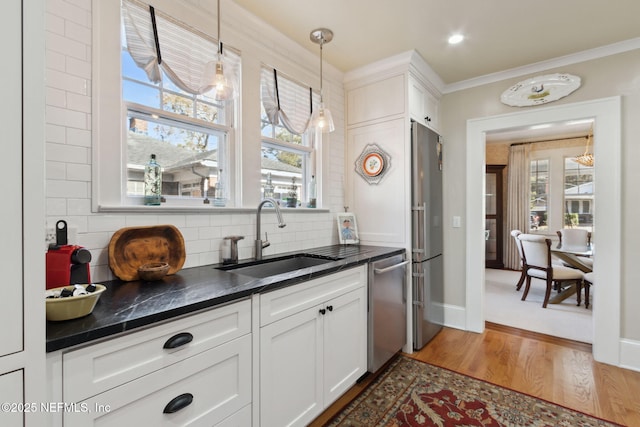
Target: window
{"points": [[561, 192], [539, 194], [578, 194], [170, 114], [288, 144]]}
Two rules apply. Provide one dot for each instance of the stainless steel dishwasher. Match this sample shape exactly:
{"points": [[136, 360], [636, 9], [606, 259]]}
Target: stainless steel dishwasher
{"points": [[387, 322]]}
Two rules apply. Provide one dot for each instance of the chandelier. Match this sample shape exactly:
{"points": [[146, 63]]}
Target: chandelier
{"points": [[585, 159]]}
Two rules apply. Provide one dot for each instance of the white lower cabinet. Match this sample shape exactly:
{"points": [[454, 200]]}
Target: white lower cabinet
{"points": [[316, 352], [192, 371], [11, 394]]}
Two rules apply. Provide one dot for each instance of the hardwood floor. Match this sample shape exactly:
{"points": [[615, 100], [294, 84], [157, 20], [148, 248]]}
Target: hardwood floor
{"points": [[553, 369]]}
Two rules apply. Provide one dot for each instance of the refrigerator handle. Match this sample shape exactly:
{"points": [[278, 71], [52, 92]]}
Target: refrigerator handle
{"points": [[418, 289], [419, 236]]}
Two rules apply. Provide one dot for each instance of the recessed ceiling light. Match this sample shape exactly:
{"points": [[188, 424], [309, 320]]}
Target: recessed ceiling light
{"points": [[456, 38]]}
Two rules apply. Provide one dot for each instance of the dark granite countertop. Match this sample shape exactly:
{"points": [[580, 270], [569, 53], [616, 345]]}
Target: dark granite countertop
{"points": [[125, 306]]}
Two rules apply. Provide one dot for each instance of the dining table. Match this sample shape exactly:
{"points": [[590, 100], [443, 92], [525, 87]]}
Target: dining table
{"points": [[571, 256]]}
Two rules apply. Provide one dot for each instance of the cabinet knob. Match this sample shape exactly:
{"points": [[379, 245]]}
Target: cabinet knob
{"points": [[322, 311], [427, 119], [178, 402], [178, 340], [330, 307]]}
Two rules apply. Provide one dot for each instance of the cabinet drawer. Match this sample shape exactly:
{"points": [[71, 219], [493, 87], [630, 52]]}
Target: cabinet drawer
{"points": [[284, 302], [219, 381], [99, 367]]}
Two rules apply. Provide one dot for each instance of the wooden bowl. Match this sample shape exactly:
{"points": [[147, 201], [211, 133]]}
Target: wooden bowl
{"points": [[153, 271], [72, 307]]}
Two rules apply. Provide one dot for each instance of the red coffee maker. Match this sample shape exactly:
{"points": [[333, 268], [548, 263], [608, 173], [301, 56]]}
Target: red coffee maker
{"points": [[66, 264]]}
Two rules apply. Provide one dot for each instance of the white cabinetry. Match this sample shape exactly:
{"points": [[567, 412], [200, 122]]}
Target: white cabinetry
{"points": [[22, 355], [312, 346], [191, 371], [382, 99], [423, 106]]}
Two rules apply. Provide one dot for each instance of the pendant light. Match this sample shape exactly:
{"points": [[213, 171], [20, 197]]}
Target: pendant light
{"points": [[321, 118], [585, 159], [223, 83]]}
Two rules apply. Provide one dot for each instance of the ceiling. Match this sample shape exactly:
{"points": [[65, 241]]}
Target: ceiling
{"points": [[500, 34]]}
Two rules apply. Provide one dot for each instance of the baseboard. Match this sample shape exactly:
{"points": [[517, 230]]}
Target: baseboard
{"points": [[454, 316], [630, 354]]}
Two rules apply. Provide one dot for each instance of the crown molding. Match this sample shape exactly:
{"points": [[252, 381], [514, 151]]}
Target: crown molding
{"points": [[587, 55]]}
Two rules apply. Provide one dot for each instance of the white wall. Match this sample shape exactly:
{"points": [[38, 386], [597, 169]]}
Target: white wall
{"points": [[617, 75], [69, 140]]}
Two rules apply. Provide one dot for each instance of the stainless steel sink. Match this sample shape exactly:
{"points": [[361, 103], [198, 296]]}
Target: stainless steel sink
{"points": [[273, 267]]}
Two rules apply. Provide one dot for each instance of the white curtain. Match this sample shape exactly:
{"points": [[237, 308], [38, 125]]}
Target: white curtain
{"points": [[188, 56], [286, 102], [518, 212]]}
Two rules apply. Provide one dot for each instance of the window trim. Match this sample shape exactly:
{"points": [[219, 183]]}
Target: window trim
{"points": [[108, 108]]}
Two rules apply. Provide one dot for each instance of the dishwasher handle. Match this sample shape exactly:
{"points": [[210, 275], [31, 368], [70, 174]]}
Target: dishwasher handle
{"points": [[393, 267]]}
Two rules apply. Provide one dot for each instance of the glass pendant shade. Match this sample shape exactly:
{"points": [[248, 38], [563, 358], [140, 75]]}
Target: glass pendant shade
{"points": [[321, 119], [223, 85]]}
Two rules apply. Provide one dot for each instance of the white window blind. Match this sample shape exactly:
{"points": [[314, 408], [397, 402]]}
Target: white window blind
{"points": [[286, 102], [187, 56]]}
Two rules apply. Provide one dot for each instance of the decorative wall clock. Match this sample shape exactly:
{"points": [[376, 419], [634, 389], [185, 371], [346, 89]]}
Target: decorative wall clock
{"points": [[540, 90], [373, 163]]}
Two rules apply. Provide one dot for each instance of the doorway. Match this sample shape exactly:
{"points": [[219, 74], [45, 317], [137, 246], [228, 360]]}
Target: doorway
{"points": [[606, 114]]}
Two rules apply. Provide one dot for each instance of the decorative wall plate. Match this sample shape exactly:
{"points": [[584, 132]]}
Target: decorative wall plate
{"points": [[373, 163], [540, 90]]}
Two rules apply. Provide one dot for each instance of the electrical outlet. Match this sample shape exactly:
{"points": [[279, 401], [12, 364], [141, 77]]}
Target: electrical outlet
{"points": [[50, 236]]}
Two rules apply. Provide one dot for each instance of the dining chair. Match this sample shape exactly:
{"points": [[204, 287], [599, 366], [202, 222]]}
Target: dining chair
{"points": [[523, 275], [576, 237], [588, 281], [536, 259]]}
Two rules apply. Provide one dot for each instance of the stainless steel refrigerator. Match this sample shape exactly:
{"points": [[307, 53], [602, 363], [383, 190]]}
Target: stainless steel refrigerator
{"points": [[426, 206]]}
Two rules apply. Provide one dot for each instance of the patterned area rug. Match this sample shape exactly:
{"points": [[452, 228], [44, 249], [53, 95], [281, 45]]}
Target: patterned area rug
{"points": [[413, 393]]}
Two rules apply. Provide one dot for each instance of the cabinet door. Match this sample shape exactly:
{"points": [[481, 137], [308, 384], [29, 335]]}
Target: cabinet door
{"points": [[11, 391], [423, 107], [345, 342], [387, 203], [291, 370], [11, 174]]}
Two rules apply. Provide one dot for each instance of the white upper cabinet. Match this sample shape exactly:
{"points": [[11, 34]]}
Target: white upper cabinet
{"points": [[376, 100], [423, 106]]}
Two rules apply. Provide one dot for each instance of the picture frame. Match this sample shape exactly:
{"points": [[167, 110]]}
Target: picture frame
{"points": [[347, 228]]}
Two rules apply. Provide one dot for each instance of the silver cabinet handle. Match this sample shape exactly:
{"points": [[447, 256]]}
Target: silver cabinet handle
{"points": [[393, 267]]}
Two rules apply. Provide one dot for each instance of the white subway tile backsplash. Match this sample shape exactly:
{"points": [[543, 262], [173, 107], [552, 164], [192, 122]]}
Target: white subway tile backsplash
{"points": [[79, 33], [78, 172], [66, 189], [75, 11], [67, 46], [56, 170], [79, 207], [64, 117], [55, 133], [55, 61], [67, 153], [55, 207], [79, 137], [79, 68], [64, 81], [79, 102], [105, 223], [56, 97]]}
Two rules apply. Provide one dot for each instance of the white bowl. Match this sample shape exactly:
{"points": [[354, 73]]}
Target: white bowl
{"points": [[72, 307]]}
